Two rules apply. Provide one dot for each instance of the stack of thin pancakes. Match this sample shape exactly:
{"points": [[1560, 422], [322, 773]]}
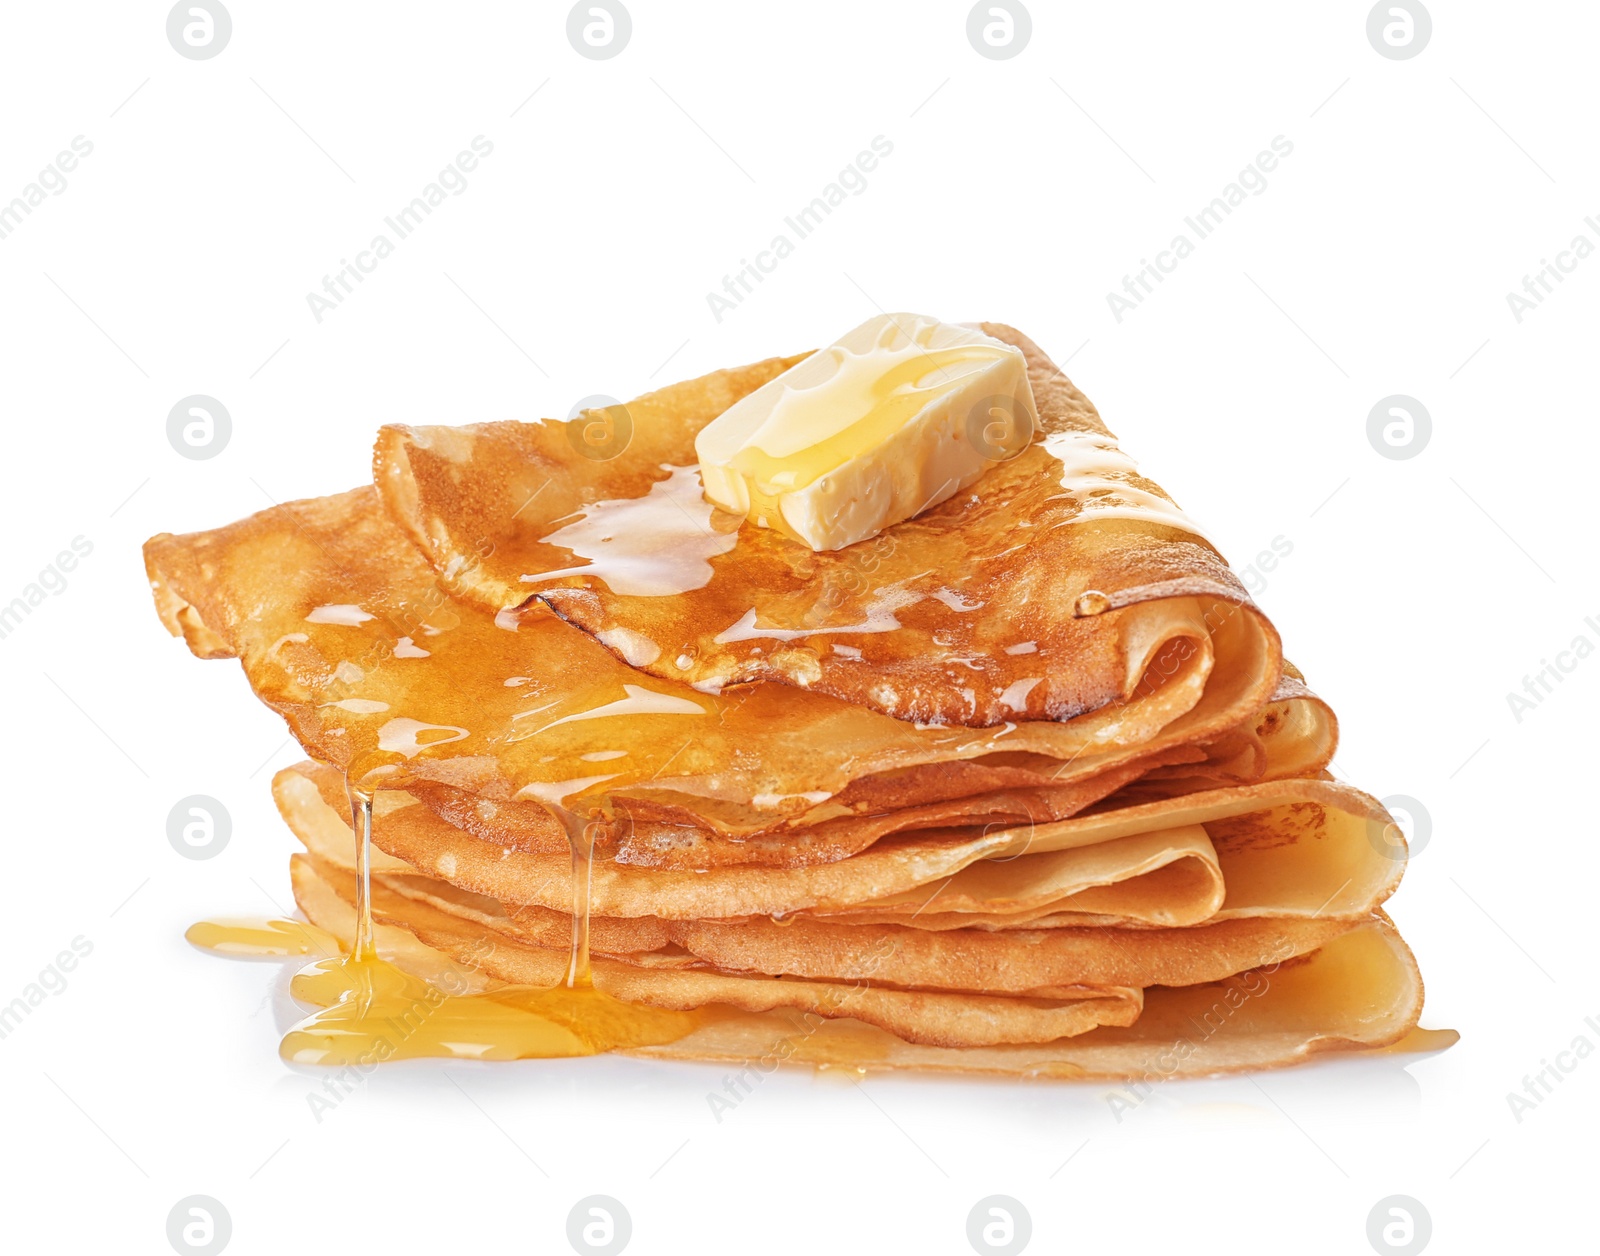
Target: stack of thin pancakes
{"points": [[1021, 785]]}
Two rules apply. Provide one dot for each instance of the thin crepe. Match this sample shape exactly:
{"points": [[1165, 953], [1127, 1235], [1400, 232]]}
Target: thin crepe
{"points": [[1360, 990], [343, 629], [1293, 736], [933, 1017], [1022, 961], [1290, 849], [969, 613]]}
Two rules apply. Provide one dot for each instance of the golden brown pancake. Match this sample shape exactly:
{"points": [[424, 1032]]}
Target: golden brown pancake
{"points": [[1021, 786], [966, 614], [1285, 850], [1293, 736], [343, 629], [935, 1017], [1024, 961], [1361, 989], [652, 834], [962, 990]]}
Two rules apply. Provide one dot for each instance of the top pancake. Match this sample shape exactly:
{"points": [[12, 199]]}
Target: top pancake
{"points": [[968, 614], [343, 630]]}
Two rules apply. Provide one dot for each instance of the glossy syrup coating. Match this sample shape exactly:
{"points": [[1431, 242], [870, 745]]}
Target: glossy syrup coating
{"points": [[968, 613], [344, 630]]}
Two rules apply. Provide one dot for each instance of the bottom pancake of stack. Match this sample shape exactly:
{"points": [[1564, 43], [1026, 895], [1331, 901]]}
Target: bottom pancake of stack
{"points": [[1234, 929]]}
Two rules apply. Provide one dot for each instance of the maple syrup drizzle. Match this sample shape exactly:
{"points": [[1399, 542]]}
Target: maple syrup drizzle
{"points": [[370, 1009], [262, 939], [581, 838], [361, 825], [1419, 1040]]}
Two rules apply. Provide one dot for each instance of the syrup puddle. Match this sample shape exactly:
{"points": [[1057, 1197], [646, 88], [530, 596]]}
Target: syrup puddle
{"points": [[369, 1010], [262, 939]]}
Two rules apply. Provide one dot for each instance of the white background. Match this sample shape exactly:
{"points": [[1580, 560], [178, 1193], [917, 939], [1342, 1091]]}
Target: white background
{"points": [[1417, 595]]}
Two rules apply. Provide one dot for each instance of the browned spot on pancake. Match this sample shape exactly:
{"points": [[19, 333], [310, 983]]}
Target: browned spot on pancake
{"points": [[1266, 830]]}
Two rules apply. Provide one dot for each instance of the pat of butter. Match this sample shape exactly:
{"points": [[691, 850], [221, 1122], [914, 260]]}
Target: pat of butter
{"points": [[896, 416]]}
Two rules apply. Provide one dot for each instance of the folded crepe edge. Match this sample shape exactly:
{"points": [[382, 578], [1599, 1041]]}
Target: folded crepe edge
{"points": [[461, 576], [309, 799], [932, 1018], [820, 1033]]}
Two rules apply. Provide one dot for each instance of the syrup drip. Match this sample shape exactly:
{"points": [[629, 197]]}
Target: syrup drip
{"points": [[361, 825], [581, 838], [1420, 1040], [370, 1010]]}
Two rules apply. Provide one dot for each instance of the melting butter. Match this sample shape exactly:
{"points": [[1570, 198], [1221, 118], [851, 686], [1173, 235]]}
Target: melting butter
{"points": [[1094, 471], [896, 416], [658, 545]]}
